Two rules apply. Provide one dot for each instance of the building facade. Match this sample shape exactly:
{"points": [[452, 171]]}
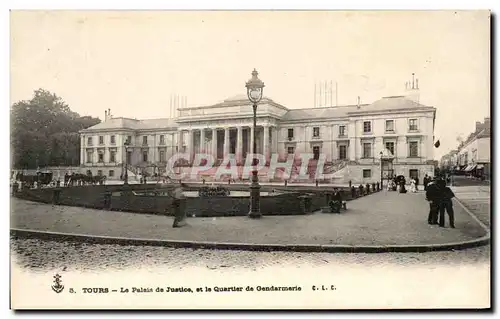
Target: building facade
{"points": [[352, 139], [474, 155]]}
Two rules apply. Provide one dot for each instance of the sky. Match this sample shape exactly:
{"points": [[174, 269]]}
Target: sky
{"points": [[133, 62]]}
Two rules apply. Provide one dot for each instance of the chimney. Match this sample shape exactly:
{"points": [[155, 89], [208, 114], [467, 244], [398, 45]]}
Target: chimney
{"points": [[487, 122], [413, 80], [105, 115], [479, 126], [416, 84], [358, 102]]}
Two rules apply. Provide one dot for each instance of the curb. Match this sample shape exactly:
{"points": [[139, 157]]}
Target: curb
{"points": [[24, 233]]}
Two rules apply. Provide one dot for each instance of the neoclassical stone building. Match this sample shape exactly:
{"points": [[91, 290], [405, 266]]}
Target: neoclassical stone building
{"points": [[353, 138]]}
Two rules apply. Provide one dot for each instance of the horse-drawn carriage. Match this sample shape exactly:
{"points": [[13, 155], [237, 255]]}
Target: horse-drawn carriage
{"points": [[30, 178]]}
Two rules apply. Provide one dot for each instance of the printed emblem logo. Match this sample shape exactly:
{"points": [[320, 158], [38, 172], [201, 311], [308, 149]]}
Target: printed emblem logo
{"points": [[57, 287]]}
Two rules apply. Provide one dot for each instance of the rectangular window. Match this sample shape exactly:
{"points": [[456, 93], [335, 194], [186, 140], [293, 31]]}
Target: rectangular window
{"points": [[113, 139], [367, 127], [413, 125], [290, 133], [291, 150], [101, 140], [144, 140], [112, 156], [389, 125], [413, 149], [100, 157], [99, 173], [342, 131], [89, 140], [129, 139], [315, 131], [367, 173], [162, 139], [162, 156], [390, 146], [89, 156], [129, 158], [111, 173], [367, 150], [342, 152], [145, 156], [316, 152]]}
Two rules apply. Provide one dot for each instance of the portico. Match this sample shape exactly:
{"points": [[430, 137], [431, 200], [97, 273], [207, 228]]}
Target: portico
{"points": [[228, 139]]}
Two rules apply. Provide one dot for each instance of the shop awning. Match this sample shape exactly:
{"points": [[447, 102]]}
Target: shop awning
{"points": [[480, 166], [466, 169], [470, 167]]}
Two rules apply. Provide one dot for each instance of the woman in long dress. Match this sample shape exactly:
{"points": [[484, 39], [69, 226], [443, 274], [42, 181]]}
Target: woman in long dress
{"points": [[412, 186]]}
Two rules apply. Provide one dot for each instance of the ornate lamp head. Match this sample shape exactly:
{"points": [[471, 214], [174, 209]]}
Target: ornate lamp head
{"points": [[255, 88]]}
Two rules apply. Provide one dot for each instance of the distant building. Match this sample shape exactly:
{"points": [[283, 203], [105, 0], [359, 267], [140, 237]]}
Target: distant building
{"points": [[474, 155], [353, 138]]}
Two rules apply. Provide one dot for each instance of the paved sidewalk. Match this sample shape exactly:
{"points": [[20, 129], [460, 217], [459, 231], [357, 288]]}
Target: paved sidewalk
{"points": [[385, 218], [477, 199]]}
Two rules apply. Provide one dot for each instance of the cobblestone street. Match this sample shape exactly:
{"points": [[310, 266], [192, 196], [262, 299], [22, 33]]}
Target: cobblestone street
{"points": [[41, 255]]}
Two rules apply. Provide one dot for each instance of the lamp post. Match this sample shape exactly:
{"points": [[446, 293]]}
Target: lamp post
{"points": [[381, 171], [126, 145], [255, 89]]}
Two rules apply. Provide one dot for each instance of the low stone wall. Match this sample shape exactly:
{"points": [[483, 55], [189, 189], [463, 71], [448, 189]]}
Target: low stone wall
{"points": [[83, 196], [292, 201]]}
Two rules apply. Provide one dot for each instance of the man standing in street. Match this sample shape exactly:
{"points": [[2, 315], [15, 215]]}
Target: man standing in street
{"points": [[432, 194], [446, 203]]}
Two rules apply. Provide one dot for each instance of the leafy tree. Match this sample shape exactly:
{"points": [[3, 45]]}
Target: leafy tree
{"points": [[44, 131]]}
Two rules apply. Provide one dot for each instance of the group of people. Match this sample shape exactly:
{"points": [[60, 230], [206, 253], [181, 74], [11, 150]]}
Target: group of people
{"points": [[440, 200]]}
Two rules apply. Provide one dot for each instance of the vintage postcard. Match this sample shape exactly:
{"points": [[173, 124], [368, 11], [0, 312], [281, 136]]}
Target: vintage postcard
{"points": [[250, 159]]}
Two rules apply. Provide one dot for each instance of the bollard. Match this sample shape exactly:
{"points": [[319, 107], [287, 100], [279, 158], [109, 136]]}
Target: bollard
{"points": [[286, 182], [305, 203], [317, 183], [179, 207], [56, 196], [107, 200]]}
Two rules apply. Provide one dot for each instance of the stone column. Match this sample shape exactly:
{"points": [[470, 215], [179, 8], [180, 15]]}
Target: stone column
{"points": [[179, 142], [226, 141], [265, 143], [202, 140], [274, 138], [82, 150], [190, 145], [239, 145], [352, 149], [214, 143]]}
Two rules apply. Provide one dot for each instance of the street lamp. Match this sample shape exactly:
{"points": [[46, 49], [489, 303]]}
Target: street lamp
{"points": [[381, 171], [255, 89], [126, 145]]}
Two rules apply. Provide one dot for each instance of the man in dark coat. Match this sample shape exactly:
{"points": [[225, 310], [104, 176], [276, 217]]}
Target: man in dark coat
{"points": [[446, 203], [433, 195], [426, 181]]}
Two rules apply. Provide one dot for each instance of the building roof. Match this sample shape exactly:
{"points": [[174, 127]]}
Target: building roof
{"points": [[319, 112], [386, 104], [392, 103], [133, 124]]}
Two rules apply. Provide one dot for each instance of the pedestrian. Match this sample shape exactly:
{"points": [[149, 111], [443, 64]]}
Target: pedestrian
{"points": [[412, 186], [426, 181], [416, 183], [446, 203], [433, 196]]}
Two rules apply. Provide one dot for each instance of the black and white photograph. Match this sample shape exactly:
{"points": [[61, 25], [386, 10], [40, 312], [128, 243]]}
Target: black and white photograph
{"points": [[192, 159]]}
